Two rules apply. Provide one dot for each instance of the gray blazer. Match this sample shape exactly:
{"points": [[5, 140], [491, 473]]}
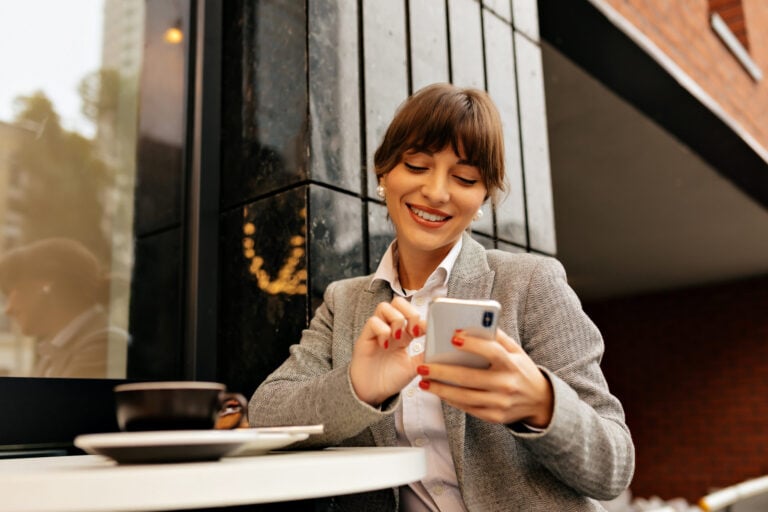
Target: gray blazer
{"points": [[586, 453]]}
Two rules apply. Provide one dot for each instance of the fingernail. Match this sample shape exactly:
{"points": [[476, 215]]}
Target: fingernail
{"points": [[398, 333], [424, 384], [457, 341], [416, 331], [422, 370], [458, 331], [386, 343]]}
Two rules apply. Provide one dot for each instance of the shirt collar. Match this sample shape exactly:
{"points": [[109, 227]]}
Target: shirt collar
{"points": [[66, 334], [387, 269]]}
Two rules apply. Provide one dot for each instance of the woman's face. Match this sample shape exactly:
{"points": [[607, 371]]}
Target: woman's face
{"points": [[431, 198]]}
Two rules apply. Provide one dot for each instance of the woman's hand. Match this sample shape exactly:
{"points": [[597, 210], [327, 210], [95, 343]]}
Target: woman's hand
{"points": [[512, 389], [381, 365]]}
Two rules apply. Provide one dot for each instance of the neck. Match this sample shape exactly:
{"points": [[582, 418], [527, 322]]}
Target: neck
{"points": [[60, 317], [414, 268]]}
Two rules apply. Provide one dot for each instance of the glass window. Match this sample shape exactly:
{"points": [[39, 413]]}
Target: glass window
{"points": [[68, 132]]}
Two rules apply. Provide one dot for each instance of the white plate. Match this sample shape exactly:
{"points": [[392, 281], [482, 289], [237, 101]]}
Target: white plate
{"points": [[266, 441], [183, 445]]}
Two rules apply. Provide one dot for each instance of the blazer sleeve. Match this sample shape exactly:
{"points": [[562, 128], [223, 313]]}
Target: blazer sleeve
{"points": [[587, 444], [313, 387]]}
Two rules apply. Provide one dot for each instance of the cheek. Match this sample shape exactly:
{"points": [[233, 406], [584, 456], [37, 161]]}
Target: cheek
{"points": [[473, 202]]}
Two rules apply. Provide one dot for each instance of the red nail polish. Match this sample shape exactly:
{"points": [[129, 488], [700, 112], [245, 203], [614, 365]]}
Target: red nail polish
{"points": [[398, 334], [457, 341], [386, 343], [422, 370], [416, 331], [424, 384]]}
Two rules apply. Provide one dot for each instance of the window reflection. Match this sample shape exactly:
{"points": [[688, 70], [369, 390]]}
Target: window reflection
{"points": [[56, 293], [68, 117]]}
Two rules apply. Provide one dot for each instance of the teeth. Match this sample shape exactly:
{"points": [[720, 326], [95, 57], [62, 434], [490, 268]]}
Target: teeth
{"points": [[427, 216]]}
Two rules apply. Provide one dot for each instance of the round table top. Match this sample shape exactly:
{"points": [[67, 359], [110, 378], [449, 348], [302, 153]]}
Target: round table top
{"points": [[89, 483]]}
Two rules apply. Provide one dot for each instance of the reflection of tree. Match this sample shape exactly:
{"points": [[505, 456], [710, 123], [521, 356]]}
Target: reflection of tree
{"points": [[61, 182], [99, 92]]}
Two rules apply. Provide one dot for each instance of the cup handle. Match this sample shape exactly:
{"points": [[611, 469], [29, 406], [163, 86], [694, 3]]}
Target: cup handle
{"points": [[233, 411]]}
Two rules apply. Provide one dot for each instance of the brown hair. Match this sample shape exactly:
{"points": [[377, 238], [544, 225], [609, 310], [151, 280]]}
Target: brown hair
{"points": [[442, 114], [68, 265]]}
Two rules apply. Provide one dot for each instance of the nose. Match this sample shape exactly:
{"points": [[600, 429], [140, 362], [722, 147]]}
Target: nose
{"points": [[435, 187]]}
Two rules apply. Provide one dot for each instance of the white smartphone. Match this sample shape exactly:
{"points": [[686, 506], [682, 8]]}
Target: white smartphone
{"points": [[476, 317]]}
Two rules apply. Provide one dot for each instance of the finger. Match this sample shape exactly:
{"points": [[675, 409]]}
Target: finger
{"points": [[461, 396], [452, 374], [393, 317], [490, 350], [474, 399], [378, 329], [415, 325], [507, 342]]}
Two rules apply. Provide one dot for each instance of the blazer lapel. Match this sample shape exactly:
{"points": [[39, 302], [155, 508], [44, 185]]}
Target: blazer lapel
{"points": [[383, 432], [455, 424], [471, 278]]}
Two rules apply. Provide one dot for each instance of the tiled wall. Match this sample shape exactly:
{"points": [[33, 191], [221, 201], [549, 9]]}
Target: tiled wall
{"points": [[309, 89]]}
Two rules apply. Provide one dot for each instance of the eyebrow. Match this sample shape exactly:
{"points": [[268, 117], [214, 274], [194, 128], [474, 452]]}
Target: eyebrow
{"points": [[428, 152]]}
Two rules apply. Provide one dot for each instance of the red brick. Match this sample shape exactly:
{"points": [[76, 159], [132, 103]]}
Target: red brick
{"points": [[682, 30], [690, 368]]}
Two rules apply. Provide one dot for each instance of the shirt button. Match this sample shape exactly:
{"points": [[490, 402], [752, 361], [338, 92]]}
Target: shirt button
{"points": [[410, 392], [421, 441], [438, 490], [419, 301], [417, 347]]}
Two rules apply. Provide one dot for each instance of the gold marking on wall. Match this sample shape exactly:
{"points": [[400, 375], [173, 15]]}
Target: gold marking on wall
{"points": [[289, 279]]}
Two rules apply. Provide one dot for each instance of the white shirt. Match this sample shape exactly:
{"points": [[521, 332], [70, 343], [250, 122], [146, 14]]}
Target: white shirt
{"points": [[419, 421]]}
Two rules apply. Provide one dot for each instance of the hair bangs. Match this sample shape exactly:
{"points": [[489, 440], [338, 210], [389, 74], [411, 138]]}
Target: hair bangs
{"points": [[441, 115]]}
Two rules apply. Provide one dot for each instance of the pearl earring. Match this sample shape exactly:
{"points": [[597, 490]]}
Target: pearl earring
{"points": [[381, 191], [478, 215]]}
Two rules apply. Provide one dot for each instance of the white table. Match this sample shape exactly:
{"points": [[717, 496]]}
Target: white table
{"points": [[89, 483]]}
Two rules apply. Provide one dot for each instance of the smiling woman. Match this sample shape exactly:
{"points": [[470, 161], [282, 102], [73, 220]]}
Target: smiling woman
{"points": [[431, 199], [535, 430]]}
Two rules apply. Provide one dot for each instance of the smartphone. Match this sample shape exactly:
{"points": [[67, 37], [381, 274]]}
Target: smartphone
{"points": [[476, 317]]}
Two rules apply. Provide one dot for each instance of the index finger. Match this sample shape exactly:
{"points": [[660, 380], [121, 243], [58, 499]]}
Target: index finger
{"points": [[416, 326]]}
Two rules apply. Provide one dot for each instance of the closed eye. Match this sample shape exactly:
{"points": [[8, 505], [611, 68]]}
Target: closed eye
{"points": [[466, 181], [415, 168]]}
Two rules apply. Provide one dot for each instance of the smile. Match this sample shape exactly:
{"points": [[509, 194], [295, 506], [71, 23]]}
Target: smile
{"points": [[432, 217]]}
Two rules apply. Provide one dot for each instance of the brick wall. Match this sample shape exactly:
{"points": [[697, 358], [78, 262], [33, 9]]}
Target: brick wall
{"points": [[681, 29], [691, 368]]}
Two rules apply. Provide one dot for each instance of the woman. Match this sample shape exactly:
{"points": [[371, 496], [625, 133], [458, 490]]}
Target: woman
{"points": [[538, 430]]}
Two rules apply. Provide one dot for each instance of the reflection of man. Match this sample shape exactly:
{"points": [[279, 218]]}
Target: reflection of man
{"points": [[56, 292]]}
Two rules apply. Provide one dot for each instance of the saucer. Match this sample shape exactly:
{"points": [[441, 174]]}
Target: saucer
{"points": [[183, 445]]}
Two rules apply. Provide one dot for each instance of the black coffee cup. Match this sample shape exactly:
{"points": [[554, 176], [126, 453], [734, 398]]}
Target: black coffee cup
{"points": [[181, 405]]}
